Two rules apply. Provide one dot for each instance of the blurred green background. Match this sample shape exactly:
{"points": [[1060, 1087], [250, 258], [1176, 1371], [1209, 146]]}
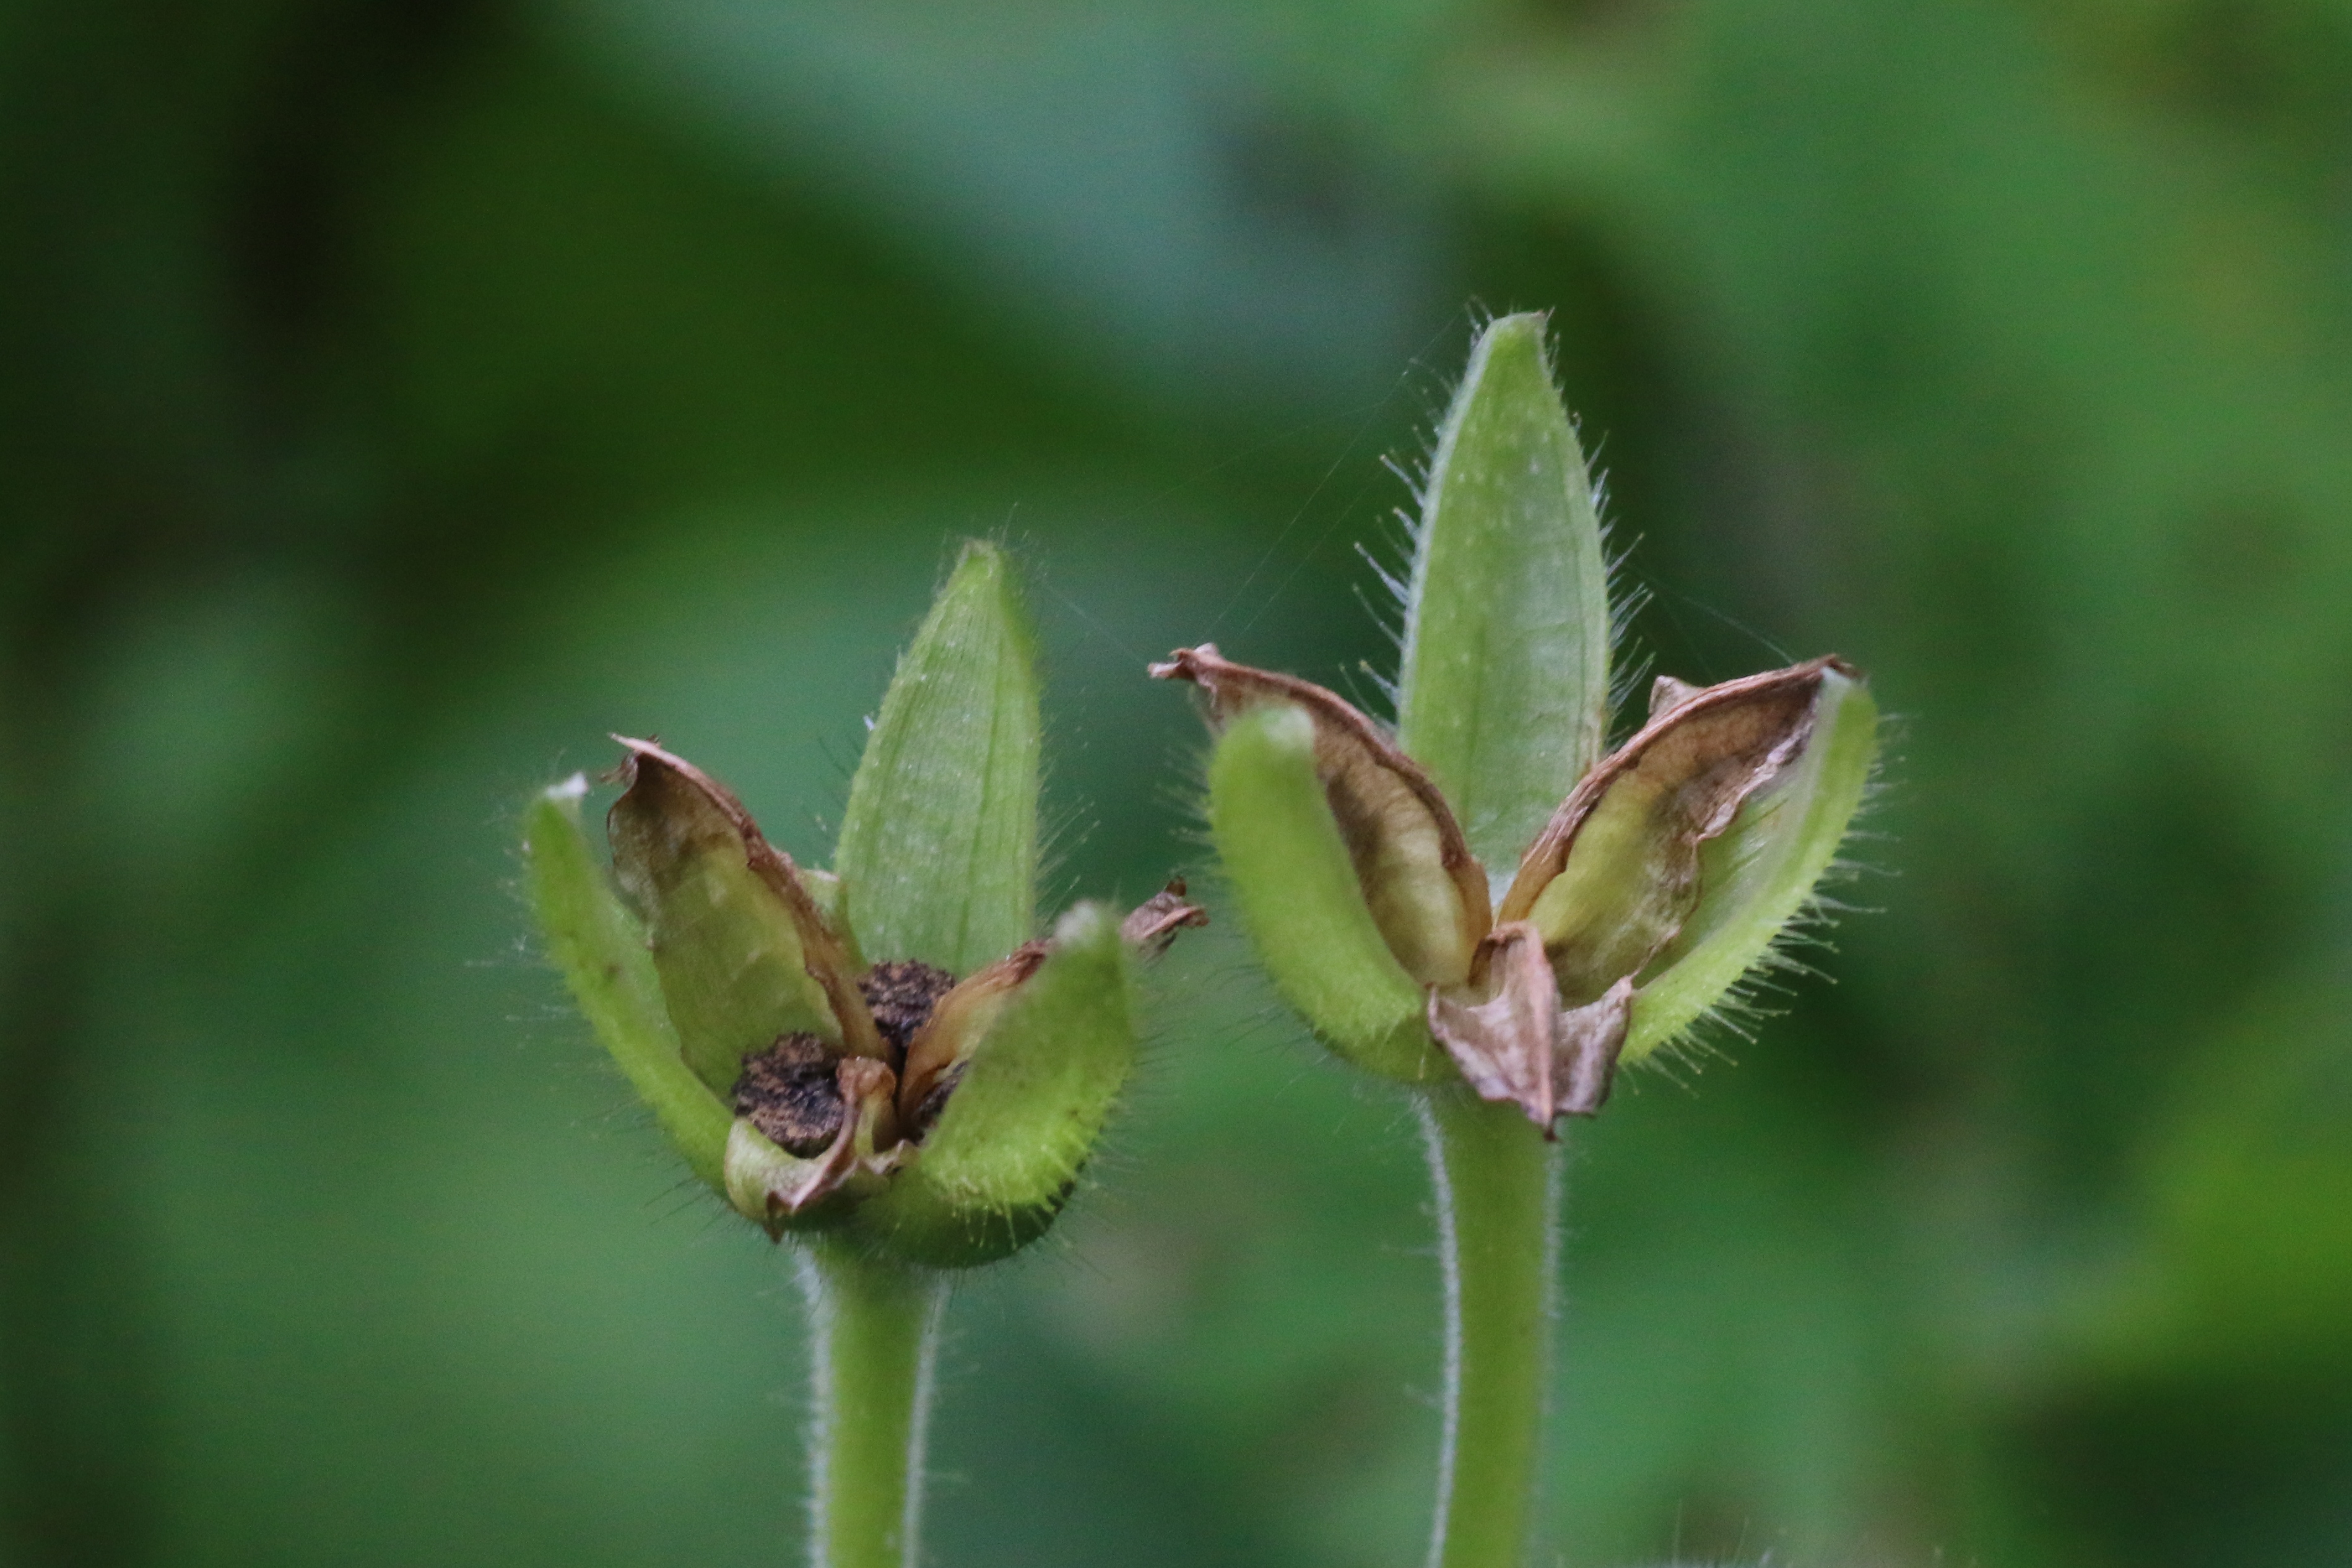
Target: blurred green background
{"points": [[396, 397]]}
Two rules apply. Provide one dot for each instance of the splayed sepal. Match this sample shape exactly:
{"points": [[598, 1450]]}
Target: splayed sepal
{"points": [[600, 949], [1515, 1042], [1300, 896], [1616, 874], [1032, 1092]]}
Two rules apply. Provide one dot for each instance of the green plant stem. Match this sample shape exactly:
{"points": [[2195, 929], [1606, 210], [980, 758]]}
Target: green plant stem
{"points": [[874, 1336], [1497, 1182]]}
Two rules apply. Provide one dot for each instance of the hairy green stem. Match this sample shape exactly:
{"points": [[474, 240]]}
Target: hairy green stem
{"points": [[1497, 1182], [875, 1335]]}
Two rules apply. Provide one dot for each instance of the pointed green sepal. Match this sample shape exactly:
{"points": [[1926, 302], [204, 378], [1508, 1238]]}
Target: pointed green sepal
{"points": [[938, 845], [1302, 901], [1032, 1100], [1761, 873], [600, 950], [1504, 691]]}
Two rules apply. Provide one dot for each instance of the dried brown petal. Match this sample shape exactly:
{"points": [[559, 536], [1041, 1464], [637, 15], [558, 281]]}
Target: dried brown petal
{"points": [[1426, 892], [675, 821], [958, 1022], [1513, 1042], [1615, 874]]}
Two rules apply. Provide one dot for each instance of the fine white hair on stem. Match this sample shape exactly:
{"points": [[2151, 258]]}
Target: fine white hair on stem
{"points": [[918, 1428], [828, 1301], [1441, 1184], [817, 1434]]}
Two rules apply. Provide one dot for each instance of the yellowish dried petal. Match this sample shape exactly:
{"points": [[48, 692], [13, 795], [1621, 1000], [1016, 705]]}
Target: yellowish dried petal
{"points": [[1616, 874]]}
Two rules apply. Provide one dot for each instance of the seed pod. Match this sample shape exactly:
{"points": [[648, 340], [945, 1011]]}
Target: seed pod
{"points": [[940, 1120], [1663, 876]]}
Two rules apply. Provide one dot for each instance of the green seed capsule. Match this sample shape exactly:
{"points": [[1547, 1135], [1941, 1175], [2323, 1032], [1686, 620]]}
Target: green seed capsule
{"points": [[1666, 874], [938, 1116]]}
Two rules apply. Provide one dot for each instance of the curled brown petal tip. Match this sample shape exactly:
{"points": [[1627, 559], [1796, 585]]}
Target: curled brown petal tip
{"points": [[1152, 925], [1186, 663]]}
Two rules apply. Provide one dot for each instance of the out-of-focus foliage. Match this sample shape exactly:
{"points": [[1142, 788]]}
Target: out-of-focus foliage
{"points": [[394, 399]]}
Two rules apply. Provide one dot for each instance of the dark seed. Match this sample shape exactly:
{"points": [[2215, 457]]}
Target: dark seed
{"points": [[926, 1114], [902, 994], [788, 1093]]}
